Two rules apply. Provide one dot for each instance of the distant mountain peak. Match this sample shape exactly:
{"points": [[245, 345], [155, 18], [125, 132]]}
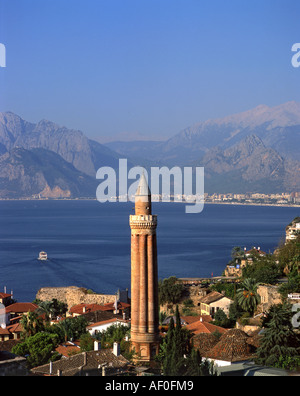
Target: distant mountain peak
{"points": [[252, 141]]}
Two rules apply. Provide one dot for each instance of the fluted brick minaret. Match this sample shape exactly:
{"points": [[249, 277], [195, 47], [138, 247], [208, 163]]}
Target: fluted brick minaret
{"points": [[144, 277]]}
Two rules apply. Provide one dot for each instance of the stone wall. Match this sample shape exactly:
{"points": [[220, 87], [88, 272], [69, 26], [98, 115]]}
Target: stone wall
{"points": [[73, 295]]}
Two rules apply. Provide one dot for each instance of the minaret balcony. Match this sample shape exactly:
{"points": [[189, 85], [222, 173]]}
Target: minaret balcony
{"points": [[143, 221]]}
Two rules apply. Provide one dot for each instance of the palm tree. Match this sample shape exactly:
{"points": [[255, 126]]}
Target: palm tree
{"points": [[65, 327], [45, 308], [247, 296], [32, 324], [162, 317]]}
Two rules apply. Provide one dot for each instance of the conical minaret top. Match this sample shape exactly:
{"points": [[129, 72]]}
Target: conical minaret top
{"points": [[143, 198]]}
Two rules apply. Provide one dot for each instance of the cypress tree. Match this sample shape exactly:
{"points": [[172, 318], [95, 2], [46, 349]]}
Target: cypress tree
{"points": [[168, 348], [279, 341]]}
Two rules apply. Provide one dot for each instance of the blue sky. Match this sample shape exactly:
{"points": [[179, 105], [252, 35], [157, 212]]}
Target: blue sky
{"points": [[151, 67]]}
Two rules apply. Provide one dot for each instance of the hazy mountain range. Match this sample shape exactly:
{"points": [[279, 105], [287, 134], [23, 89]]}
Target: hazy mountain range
{"points": [[253, 151], [278, 127]]}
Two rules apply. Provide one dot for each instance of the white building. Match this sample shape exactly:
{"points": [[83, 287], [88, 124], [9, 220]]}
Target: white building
{"points": [[99, 327]]}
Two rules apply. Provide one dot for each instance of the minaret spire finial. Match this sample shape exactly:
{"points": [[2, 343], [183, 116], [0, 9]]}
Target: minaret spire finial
{"points": [[143, 197], [143, 187]]}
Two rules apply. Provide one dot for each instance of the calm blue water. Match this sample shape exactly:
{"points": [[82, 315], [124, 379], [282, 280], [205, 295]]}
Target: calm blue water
{"points": [[88, 243]]}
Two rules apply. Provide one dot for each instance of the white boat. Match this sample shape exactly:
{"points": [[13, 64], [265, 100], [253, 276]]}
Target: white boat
{"points": [[43, 256]]}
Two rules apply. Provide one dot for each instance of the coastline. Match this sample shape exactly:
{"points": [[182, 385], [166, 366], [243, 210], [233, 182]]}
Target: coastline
{"points": [[176, 202]]}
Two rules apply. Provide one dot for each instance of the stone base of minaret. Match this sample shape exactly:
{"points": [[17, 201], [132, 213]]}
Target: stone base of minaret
{"points": [[144, 352]]}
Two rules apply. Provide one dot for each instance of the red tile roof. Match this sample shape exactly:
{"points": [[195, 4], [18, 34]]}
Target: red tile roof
{"points": [[84, 363], [111, 306], [204, 342], [192, 319], [254, 250], [211, 297], [21, 307], [204, 327], [10, 329], [15, 328], [4, 331], [79, 309], [5, 295], [233, 346], [68, 349]]}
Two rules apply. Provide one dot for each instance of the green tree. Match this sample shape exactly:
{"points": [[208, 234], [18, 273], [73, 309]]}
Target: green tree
{"points": [[247, 296], [288, 255], [170, 290], [32, 324], [58, 308], [86, 342], [69, 328], [166, 349], [196, 367], [180, 347], [177, 355], [51, 309], [292, 285], [263, 270], [237, 253], [235, 311], [229, 289], [221, 319], [45, 309], [280, 343], [115, 333], [38, 349], [162, 317]]}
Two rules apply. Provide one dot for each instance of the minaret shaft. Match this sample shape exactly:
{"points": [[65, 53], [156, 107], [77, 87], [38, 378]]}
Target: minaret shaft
{"points": [[144, 277]]}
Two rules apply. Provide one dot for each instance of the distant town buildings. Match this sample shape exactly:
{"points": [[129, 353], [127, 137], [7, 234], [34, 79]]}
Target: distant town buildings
{"points": [[255, 198], [235, 268]]}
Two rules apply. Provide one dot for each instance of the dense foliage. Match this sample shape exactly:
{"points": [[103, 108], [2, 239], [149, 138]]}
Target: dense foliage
{"points": [[263, 270], [116, 333], [69, 328], [269, 268], [229, 289], [40, 339], [170, 290], [280, 345], [38, 349], [177, 356]]}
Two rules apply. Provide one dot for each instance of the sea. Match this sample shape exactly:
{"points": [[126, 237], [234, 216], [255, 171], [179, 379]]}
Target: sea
{"points": [[88, 242]]}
